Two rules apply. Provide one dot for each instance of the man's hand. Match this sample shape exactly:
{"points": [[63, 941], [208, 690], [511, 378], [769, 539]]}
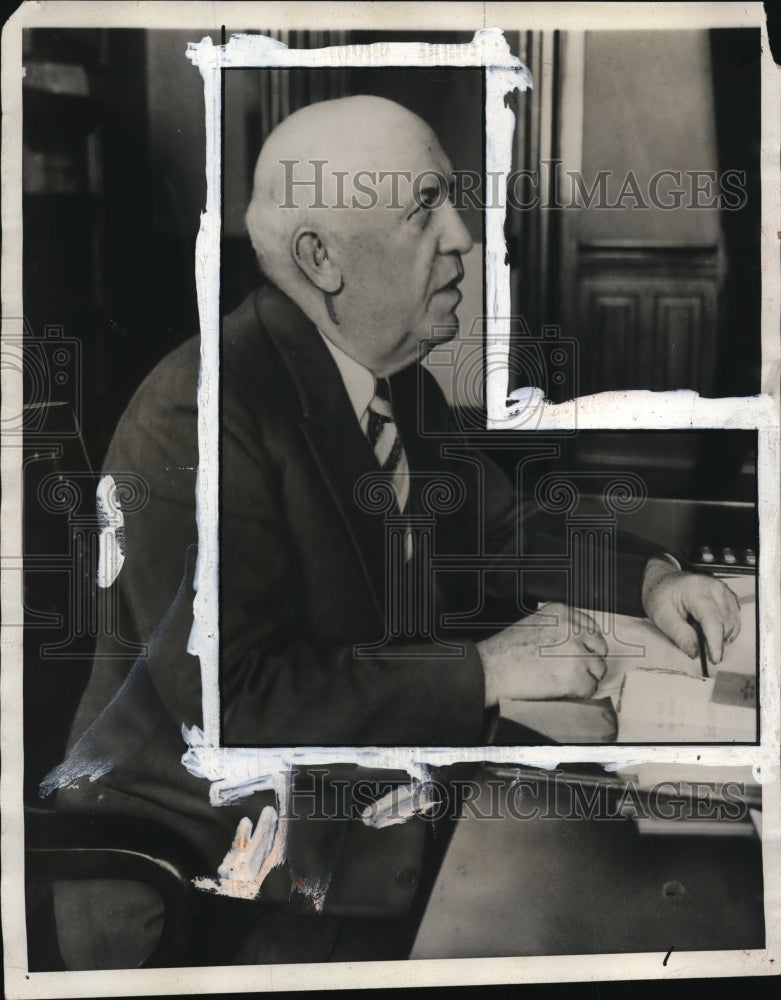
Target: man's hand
{"points": [[670, 595], [515, 668]]}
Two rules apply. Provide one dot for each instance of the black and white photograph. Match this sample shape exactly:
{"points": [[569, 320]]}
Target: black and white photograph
{"points": [[390, 465]]}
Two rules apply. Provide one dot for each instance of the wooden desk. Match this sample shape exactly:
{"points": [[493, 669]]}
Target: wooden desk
{"points": [[550, 886]]}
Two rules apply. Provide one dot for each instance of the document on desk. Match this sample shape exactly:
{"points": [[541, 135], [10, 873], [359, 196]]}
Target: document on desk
{"points": [[660, 695]]}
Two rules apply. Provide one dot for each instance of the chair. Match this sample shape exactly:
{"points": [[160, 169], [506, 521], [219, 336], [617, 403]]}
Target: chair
{"points": [[61, 846]]}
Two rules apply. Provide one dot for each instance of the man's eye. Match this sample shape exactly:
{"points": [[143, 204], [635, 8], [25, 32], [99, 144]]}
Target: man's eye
{"points": [[431, 199], [428, 201]]}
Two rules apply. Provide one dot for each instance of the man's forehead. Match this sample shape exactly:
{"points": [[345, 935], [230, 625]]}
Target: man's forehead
{"points": [[359, 141], [372, 180], [413, 152]]}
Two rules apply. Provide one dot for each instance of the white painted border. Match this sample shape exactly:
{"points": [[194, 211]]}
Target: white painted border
{"points": [[244, 770], [504, 72], [237, 772]]}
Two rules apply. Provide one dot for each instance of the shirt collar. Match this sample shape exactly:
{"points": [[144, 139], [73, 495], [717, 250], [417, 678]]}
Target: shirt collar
{"points": [[358, 381]]}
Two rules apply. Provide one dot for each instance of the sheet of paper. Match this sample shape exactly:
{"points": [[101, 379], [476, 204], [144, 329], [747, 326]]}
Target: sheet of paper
{"points": [[658, 693], [661, 706]]}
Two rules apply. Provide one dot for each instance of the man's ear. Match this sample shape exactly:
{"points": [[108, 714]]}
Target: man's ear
{"points": [[311, 255]]}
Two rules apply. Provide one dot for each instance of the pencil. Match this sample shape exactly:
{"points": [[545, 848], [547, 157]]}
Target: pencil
{"points": [[700, 644]]}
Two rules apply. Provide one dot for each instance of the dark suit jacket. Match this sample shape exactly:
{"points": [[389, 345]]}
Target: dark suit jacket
{"points": [[302, 566]]}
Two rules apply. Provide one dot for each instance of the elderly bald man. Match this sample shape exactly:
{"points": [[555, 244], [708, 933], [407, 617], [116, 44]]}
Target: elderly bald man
{"points": [[377, 276], [320, 390]]}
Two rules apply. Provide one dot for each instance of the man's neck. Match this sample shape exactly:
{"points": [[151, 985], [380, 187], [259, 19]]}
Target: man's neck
{"points": [[359, 382]]}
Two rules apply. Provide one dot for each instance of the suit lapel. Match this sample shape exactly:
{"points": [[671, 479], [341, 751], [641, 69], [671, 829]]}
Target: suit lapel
{"points": [[422, 407], [414, 410], [338, 446]]}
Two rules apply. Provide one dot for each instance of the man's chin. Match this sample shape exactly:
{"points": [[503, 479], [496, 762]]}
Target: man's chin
{"points": [[445, 327], [441, 332]]}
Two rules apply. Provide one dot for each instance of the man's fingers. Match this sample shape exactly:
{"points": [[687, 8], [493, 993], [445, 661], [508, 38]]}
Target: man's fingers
{"points": [[718, 612], [595, 644], [586, 685], [586, 673], [712, 626], [577, 676], [589, 636], [731, 608], [588, 632], [731, 630], [610, 725], [679, 630], [597, 667], [714, 621]]}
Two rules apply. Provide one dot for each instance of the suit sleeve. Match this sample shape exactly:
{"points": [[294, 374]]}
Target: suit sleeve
{"points": [[559, 558], [277, 685]]}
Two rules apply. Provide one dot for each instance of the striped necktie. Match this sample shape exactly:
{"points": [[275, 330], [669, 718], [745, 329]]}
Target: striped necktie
{"points": [[384, 438]]}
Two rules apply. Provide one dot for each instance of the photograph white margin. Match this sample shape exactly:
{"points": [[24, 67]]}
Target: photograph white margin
{"points": [[762, 415]]}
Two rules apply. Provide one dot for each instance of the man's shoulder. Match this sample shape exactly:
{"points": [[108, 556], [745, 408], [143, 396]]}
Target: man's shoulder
{"points": [[173, 383], [175, 376], [161, 412], [166, 402], [264, 332]]}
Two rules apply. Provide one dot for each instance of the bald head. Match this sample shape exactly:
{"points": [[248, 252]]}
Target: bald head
{"points": [[307, 170], [342, 198]]}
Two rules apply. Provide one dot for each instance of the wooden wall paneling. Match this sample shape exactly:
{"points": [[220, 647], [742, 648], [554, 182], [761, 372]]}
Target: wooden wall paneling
{"points": [[647, 315]]}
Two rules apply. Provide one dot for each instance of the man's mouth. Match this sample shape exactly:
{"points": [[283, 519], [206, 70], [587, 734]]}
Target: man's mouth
{"points": [[452, 287], [456, 280]]}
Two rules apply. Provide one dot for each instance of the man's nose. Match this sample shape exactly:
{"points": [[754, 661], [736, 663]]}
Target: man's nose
{"points": [[454, 236]]}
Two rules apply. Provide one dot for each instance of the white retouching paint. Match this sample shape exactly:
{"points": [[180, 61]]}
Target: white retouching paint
{"points": [[218, 764], [527, 409], [499, 136], [769, 516], [204, 639], [400, 805], [246, 864], [111, 522], [487, 49], [504, 74]]}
